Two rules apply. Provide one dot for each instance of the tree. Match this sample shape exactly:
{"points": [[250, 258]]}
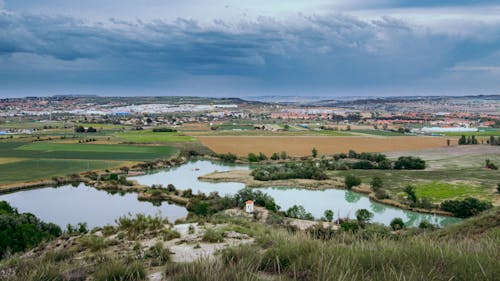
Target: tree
{"points": [[462, 140], [411, 194], [298, 211], [329, 215], [351, 180], [397, 224], [314, 152], [262, 156], [363, 216], [283, 155], [79, 129], [91, 130], [275, 156], [252, 157], [377, 183], [409, 163], [465, 208]]}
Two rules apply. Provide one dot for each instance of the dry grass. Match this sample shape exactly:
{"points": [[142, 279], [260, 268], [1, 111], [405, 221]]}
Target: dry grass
{"points": [[301, 146]]}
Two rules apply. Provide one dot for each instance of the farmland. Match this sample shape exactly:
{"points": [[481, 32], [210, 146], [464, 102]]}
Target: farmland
{"points": [[26, 161], [301, 146], [152, 137]]}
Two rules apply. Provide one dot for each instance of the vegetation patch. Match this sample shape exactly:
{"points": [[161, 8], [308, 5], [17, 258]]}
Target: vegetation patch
{"points": [[439, 191]]}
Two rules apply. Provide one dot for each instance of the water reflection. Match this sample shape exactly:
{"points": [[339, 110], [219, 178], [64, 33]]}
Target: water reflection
{"points": [[71, 205]]}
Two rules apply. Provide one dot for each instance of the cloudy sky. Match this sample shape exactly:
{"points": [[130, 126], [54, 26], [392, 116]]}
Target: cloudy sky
{"points": [[249, 48]]}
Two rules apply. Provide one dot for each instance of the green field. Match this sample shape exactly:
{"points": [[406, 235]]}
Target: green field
{"points": [[152, 137], [495, 133], [34, 169], [25, 161], [439, 191], [379, 133]]}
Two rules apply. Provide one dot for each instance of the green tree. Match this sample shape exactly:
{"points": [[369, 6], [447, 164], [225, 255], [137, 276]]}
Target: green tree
{"points": [[314, 152], [252, 157], [397, 224], [351, 180], [298, 211], [411, 194], [283, 155], [329, 215], [275, 156], [363, 216], [377, 183]]}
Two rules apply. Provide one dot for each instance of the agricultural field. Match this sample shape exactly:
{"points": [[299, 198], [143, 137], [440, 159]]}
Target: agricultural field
{"points": [[34, 169], [379, 133], [148, 136], [302, 145], [485, 133], [23, 161]]}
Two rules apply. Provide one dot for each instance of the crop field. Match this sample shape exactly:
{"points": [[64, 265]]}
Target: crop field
{"points": [[21, 161], [152, 137], [302, 145], [34, 169], [85, 151], [478, 134]]}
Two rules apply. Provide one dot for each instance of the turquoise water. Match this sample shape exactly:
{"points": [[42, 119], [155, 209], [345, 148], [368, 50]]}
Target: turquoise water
{"points": [[344, 203]]}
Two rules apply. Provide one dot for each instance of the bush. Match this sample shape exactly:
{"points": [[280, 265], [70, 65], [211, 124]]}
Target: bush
{"points": [[212, 235], [298, 212], [349, 226], [252, 157], [382, 194], [162, 130], [409, 163], [410, 191], [376, 183], [351, 181], [397, 224], [426, 225], [306, 170], [227, 157], [158, 253], [465, 208]]}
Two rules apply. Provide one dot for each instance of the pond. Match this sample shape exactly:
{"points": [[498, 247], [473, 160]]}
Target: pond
{"points": [[344, 203], [70, 205], [186, 177]]}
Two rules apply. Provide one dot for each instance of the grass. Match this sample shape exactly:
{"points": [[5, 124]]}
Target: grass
{"points": [[35, 169], [281, 255], [480, 133], [148, 136], [476, 180], [439, 191]]}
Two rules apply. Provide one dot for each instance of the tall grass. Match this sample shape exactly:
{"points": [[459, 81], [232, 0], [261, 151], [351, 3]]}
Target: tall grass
{"points": [[352, 257]]}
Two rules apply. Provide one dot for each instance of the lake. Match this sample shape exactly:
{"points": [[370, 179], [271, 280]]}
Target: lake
{"points": [[70, 205]]}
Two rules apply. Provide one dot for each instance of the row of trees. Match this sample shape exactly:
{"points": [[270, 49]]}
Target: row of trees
{"points": [[305, 170], [463, 140], [81, 129]]}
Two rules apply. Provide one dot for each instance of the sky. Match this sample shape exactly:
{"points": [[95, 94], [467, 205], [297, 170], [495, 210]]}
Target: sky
{"points": [[249, 48]]}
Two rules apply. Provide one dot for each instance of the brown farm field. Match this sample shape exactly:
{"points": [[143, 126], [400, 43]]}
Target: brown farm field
{"points": [[302, 145]]}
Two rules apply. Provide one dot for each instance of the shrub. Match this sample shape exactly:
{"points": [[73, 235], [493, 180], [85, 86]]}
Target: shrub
{"points": [[212, 235], [411, 194], [349, 226], [498, 187], [92, 242], [465, 208], [351, 181], [426, 225], [298, 212], [397, 224], [376, 183], [252, 157], [409, 163], [227, 157], [158, 253], [275, 156], [381, 194], [169, 234]]}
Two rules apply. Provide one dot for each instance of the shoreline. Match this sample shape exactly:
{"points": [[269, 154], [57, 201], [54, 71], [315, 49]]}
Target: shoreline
{"points": [[243, 176]]}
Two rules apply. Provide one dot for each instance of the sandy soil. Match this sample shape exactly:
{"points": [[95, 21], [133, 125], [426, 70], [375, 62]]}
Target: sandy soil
{"points": [[302, 145]]}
